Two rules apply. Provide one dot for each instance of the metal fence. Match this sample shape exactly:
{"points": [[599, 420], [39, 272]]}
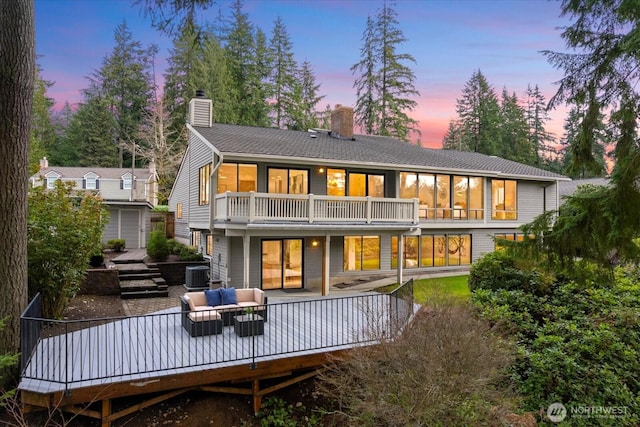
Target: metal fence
{"points": [[88, 351]]}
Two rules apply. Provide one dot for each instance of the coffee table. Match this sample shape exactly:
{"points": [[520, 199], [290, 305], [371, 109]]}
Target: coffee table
{"points": [[248, 325]]}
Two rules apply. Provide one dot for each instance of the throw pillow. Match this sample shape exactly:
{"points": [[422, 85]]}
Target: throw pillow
{"points": [[228, 296], [213, 297]]}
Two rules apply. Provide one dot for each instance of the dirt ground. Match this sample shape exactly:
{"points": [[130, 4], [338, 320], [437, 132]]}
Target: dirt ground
{"points": [[194, 408]]}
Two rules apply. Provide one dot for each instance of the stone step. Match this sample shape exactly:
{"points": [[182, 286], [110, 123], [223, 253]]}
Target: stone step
{"points": [[140, 275], [144, 294]]}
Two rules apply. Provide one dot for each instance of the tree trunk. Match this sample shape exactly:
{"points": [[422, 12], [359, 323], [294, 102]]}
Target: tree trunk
{"points": [[17, 71]]}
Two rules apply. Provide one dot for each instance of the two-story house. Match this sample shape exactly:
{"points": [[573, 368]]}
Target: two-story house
{"points": [[279, 209], [128, 195]]}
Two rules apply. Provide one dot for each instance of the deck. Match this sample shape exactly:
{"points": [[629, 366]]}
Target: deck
{"points": [[101, 360]]}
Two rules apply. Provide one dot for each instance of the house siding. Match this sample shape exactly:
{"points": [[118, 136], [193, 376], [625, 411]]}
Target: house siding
{"points": [[112, 229], [199, 155], [180, 194], [530, 200]]}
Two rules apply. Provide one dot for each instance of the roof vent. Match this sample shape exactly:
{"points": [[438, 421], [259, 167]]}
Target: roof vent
{"points": [[199, 93], [313, 133]]}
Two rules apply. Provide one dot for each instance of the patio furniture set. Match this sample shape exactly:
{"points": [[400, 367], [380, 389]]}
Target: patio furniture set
{"points": [[207, 312]]}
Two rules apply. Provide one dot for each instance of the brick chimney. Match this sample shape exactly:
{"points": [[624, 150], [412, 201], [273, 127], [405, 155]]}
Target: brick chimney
{"points": [[200, 110], [342, 122]]}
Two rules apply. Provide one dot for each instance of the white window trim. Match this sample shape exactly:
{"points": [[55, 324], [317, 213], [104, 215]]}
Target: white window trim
{"points": [[91, 177], [127, 179]]}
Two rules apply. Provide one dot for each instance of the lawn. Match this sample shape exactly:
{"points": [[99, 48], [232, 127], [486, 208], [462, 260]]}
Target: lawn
{"points": [[454, 286], [427, 289]]}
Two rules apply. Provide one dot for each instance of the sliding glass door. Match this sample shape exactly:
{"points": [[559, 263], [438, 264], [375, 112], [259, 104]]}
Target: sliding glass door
{"points": [[282, 263]]}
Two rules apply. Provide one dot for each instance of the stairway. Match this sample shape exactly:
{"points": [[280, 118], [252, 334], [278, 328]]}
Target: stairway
{"points": [[140, 280]]}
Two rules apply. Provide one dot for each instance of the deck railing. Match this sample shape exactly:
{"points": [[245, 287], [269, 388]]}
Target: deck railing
{"points": [[86, 351], [255, 207]]}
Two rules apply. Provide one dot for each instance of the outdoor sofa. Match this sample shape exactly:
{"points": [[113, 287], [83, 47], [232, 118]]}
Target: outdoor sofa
{"points": [[206, 312]]}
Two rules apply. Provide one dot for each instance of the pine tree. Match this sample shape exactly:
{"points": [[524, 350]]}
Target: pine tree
{"points": [[479, 115], [240, 58], [514, 131], [309, 98], [537, 116], [366, 85], [396, 79], [126, 83], [385, 85], [259, 88], [283, 76], [452, 139], [211, 74], [43, 137], [573, 129]]}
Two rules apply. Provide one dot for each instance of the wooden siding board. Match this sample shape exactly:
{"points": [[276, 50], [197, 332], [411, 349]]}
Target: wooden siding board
{"points": [[200, 155]]}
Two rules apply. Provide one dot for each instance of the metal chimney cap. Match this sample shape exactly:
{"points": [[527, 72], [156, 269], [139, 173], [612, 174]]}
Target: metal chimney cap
{"points": [[199, 93]]}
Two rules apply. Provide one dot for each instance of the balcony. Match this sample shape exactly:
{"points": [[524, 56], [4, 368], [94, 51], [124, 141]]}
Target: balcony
{"points": [[309, 208]]}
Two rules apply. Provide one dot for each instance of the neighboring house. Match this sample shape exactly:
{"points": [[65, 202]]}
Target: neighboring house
{"points": [[567, 188], [128, 195], [278, 209]]}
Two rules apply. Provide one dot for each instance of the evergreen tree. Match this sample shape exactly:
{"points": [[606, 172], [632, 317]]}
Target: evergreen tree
{"points": [[283, 76], [211, 74], [537, 116], [172, 17], [453, 138], [601, 73], [385, 86], [310, 98], [179, 85], [396, 79], [240, 58], [88, 139], [43, 136], [479, 115], [573, 129], [366, 85], [514, 131], [259, 89], [126, 83], [65, 151]]}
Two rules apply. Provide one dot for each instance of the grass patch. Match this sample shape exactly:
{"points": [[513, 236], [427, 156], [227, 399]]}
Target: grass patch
{"points": [[425, 289]]}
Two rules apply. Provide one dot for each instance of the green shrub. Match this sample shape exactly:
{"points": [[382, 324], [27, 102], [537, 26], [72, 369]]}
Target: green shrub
{"points": [[117, 245], [578, 345], [174, 246], [157, 247], [190, 253]]}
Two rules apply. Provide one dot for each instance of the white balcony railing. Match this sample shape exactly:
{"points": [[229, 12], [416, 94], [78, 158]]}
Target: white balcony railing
{"points": [[309, 208]]}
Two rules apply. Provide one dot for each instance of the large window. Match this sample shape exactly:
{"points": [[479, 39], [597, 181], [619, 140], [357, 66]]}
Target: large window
{"points": [[336, 182], [282, 264], [236, 177], [339, 182], [513, 237], [433, 250], [205, 184], [288, 181], [504, 195], [209, 250], [361, 253]]}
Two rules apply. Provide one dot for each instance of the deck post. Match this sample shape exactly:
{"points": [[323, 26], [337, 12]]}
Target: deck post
{"points": [[326, 278], [257, 398], [246, 239], [400, 257], [106, 413]]}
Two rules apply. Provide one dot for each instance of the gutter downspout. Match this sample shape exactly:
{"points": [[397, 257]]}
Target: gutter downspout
{"points": [[212, 199]]}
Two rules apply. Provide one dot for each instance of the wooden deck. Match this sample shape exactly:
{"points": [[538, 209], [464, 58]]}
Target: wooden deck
{"points": [[154, 353]]}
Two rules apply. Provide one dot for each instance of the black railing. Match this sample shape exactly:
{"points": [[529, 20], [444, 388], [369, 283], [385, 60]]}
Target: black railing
{"points": [[129, 348], [30, 327], [402, 305]]}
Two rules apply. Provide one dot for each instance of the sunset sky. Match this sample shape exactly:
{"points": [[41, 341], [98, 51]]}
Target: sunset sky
{"points": [[448, 39]]}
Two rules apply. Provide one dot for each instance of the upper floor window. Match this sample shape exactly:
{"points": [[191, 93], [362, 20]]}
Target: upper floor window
{"points": [[504, 194], [288, 181], [195, 239], [237, 177], [51, 179], [179, 210], [444, 196], [355, 184], [126, 181], [204, 184], [90, 181]]}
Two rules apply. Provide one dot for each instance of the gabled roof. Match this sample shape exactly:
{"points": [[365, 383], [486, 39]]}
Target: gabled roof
{"points": [[365, 150], [103, 173]]}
